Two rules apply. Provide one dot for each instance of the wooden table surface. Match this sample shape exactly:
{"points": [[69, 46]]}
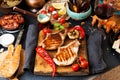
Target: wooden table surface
{"points": [[113, 74]]}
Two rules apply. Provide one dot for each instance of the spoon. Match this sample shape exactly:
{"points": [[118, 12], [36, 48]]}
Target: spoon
{"points": [[6, 39]]}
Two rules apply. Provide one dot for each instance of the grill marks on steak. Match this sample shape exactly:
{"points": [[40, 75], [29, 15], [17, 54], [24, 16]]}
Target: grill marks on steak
{"points": [[53, 40], [67, 54]]}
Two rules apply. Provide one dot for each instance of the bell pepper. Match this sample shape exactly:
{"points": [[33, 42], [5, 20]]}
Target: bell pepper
{"points": [[43, 53], [81, 30]]}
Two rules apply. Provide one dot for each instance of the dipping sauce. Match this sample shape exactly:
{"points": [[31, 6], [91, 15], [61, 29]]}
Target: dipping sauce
{"points": [[6, 39]]}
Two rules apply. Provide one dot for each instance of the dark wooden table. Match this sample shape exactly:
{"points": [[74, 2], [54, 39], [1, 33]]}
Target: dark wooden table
{"points": [[111, 57]]}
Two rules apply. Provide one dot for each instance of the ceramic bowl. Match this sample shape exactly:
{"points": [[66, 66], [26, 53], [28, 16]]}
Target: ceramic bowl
{"points": [[43, 18], [16, 17], [78, 16], [6, 39]]}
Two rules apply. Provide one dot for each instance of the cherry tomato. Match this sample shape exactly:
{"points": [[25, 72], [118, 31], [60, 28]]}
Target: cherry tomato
{"points": [[51, 9], [84, 64], [43, 12], [62, 20], [81, 58], [46, 30], [75, 67], [55, 16]]}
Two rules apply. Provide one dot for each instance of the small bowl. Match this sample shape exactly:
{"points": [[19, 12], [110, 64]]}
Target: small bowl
{"points": [[6, 39], [11, 28], [78, 16], [43, 18]]}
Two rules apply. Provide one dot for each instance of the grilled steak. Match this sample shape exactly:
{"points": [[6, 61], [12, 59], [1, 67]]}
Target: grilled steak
{"points": [[67, 54], [53, 40]]}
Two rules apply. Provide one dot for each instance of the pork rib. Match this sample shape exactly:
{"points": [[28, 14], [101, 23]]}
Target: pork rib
{"points": [[66, 55], [53, 40]]}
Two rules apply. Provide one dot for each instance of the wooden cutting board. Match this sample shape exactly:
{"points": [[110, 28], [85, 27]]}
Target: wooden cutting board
{"points": [[43, 68]]}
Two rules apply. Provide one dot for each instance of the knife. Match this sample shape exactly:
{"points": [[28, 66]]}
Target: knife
{"points": [[19, 36]]}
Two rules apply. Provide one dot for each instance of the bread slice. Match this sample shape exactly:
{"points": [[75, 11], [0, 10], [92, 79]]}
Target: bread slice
{"points": [[10, 62]]}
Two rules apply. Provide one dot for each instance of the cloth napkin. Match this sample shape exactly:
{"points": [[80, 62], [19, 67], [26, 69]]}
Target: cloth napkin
{"points": [[30, 44], [95, 51]]}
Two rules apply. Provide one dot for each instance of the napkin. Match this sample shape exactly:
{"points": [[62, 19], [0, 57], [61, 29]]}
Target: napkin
{"points": [[95, 52], [30, 44], [3, 78]]}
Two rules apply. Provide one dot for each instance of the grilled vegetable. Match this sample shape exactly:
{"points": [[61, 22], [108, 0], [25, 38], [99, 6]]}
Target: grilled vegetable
{"points": [[81, 31], [73, 34]]}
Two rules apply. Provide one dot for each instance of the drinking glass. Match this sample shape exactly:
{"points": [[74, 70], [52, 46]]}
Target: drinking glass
{"points": [[103, 10]]}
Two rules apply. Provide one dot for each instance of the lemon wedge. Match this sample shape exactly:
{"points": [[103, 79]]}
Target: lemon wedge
{"points": [[62, 11], [58, 5]]}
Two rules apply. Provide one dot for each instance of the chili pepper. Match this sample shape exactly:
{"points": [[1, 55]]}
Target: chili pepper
{"points": [[43, 53], [81, 30]]}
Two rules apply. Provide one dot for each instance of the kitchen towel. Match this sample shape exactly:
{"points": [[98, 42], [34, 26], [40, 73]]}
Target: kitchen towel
{"points": [[30, 44], [95, 52]]}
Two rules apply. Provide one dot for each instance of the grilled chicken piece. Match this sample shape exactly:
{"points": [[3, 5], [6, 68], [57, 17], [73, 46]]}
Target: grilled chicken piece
{"points": [[53, 40], [67, 54]]}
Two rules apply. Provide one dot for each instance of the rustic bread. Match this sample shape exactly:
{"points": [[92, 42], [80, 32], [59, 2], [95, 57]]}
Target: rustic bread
{"points": [[10, 63]]}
